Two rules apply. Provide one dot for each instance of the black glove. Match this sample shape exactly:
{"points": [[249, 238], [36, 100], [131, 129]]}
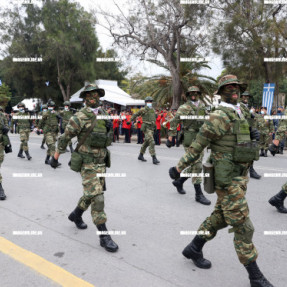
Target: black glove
{"points": [[173, 173], [168, 143], [38, 132], [109, 125], [54, 162], [8, 148], [273, 149], [255, 134]]}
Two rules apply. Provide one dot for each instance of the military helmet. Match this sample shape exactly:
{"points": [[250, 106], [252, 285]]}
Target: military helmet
{"points": [[247, 94], [67, 103], [92, 87], [148, 99], [44, 106], [21, 105], [193, 89], [51, 104], [230, 79]]}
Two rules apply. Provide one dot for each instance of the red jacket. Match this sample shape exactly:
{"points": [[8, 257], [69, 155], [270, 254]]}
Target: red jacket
{"points": [[178, 127], [115, 123], [129, 120], [139, 122], [157, 122]]}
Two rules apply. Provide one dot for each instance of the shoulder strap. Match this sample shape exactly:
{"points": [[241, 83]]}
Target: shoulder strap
{"points": [[86, 135]]}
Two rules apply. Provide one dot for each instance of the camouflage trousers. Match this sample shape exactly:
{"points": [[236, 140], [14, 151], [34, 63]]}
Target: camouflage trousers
{"points": [[231, 207], [51, 139], [195, 168], [24, 138], [43, 140], [264, 141], [1, 158], [148, 141], [284, 187], [93, 191]]}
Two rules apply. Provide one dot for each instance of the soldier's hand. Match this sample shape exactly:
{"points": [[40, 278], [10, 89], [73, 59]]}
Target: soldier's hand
{"points": [[273, 149], [173, 173], [255, 135], [169, 143], [54, 162]]}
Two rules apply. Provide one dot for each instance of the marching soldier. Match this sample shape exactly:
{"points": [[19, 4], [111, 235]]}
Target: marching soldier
{"points": [[91, 158], [192, 107], [24, 128], [278, 199], [148, 126], [66, 114], [50, 126], [252, 120], [266, 129], [44, 110], [232, 151]]}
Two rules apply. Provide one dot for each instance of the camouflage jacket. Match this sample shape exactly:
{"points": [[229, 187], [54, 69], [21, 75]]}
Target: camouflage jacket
{"points": [[77, 127], [282, 129], [22, 120], [148, 116], [265, 126], [211, 132], [65, 115], [187, 109], [49, 122]]}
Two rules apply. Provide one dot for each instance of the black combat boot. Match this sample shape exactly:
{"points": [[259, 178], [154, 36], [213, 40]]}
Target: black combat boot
{"points": [[154, 160], [71, 148], [256, 278], [262, 152], [20, 154], [28, 155], [42, 146], [47, 161], [278, 201], [193, 251], [2, 194], [76, 217], [141, 157], [106, 240], [179, 184], [199, 196], [253, 173], [265, 153]]}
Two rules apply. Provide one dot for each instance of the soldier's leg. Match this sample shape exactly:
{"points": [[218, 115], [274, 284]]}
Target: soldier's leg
{"points": [[22, 145], [2, 194], [49, 143], [266, 144], [43, 142], [236, 214], [25, 144], [278, 199], [261, 144], [145, 144], [151, 143]]}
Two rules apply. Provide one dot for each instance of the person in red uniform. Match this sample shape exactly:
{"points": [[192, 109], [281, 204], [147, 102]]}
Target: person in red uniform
{"points": [[128, 128], [116, 124], [158, 126], [124, 125], [139, 132]]}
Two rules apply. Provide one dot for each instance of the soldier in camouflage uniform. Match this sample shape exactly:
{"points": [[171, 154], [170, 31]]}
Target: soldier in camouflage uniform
{"points": [[66, 114], [50, 126], [278, 199], [95, 157], [148, 116], [40, 114], [252, 120], [24, 128], [232, 151], [266, 129], [193, 107], [3, 124]]}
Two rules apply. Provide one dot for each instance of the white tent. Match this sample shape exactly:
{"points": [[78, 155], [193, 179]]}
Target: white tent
{"points": [[113, 94], [29, 103]]}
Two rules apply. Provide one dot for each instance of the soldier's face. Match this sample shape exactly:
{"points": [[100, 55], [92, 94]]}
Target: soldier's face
{"points": [[245, 99], [230, 93], [92, 99]]}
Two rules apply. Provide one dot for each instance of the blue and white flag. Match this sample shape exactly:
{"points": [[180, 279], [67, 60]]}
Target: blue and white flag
{"points": [[268, 96], [0, 83], [47, 83]]}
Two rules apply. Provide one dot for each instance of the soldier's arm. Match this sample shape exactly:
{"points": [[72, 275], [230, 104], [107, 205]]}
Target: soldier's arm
{"points": [[42, 121], [72, 129], [137, 114], [213, 129], [182, 111], [281, 131]]}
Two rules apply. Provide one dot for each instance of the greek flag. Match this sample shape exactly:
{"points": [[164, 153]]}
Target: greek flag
{"points": [[268, 96]]}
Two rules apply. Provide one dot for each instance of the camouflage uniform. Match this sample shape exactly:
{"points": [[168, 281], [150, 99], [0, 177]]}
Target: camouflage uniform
{"points": [[148, 117], [265, 127], [50, 127], [3, 122], [66, 115], [232, 151]]}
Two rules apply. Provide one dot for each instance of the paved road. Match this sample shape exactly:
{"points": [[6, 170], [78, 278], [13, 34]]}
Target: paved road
{"points": [[146, 206]]}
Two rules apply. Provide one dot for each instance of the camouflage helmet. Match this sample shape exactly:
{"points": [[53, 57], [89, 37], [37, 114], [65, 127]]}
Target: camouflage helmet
{"points": [[192, 89], [148, 99], [21, 105], [230, 79], [67, 103], [247, 94], [51, 104], [92, 87]]}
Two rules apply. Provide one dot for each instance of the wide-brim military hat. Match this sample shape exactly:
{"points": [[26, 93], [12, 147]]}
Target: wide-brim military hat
{"points": [[92, 87], [247, 94], [230, 79], [192, 89]]}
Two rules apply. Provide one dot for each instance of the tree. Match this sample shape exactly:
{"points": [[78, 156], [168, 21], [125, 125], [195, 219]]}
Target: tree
{"points": [[163, 30]]}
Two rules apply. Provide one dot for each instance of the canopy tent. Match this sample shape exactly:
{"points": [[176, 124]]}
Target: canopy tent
{"points": [[113, 94], [30, 104]]}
